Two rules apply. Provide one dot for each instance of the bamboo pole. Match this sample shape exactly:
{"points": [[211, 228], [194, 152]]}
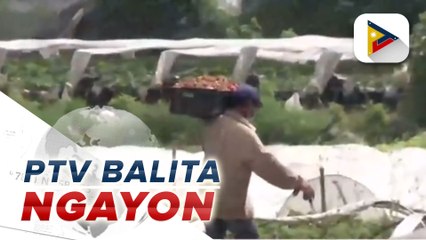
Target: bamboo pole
{"points": [[322, 185]]}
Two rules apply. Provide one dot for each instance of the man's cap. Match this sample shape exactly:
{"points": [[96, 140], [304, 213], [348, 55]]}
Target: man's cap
{"points": [[245, 93]]}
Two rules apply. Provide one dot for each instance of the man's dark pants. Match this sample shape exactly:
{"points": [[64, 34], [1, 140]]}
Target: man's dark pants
{"points": [[240, 229]]}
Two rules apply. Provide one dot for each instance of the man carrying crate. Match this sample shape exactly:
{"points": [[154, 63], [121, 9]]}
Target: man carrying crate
{"points": [[232, 140]]}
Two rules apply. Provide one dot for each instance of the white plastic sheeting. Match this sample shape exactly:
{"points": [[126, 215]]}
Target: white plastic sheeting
{"points": [[246, 58], [294, 102], [324, 68], [281, 55], [327, 60], [300, 43], [417, 234], [282, 50], [295, 47], [164, 66], [408, 225], [244, 63], [392, 176]]}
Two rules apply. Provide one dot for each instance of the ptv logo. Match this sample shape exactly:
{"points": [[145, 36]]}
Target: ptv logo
{"points": [[378, 38], [381, 38]]}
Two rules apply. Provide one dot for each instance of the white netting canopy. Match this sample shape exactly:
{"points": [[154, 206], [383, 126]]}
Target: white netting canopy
{"points": [[356, 176], [286, 50], [300, 43], [352, 173]]}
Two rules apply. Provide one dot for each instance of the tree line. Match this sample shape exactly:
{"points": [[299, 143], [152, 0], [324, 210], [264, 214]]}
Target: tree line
{"points": [[258, 18]]}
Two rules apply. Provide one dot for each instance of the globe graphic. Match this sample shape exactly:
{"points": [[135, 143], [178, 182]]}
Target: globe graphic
{"points": [[105, 127]]}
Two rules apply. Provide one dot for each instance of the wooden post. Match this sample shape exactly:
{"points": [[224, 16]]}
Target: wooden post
{"points": [[174, 158], [322, 185], [174, 153]]}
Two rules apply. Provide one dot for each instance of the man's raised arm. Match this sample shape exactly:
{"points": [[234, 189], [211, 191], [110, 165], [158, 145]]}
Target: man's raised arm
{"points": [[266, 166]]}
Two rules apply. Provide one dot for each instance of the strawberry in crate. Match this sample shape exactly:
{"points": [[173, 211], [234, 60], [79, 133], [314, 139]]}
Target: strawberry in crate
{"points": [[202, 97], [219, 83]]}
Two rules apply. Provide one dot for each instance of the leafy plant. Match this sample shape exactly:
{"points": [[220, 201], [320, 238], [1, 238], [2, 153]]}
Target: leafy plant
{"points": [[275, 124], [347, 228]]}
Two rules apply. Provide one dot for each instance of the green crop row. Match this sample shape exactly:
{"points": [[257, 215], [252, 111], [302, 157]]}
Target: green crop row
{"points": [[347, 228], [37, 73], [274, 123], [371, 125]]}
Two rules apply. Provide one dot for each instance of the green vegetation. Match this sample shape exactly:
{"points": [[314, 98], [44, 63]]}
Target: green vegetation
{"points": [[266, 18], [372, 125], [347, 228], [413, 105], [275, 124], [417, 141]]}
